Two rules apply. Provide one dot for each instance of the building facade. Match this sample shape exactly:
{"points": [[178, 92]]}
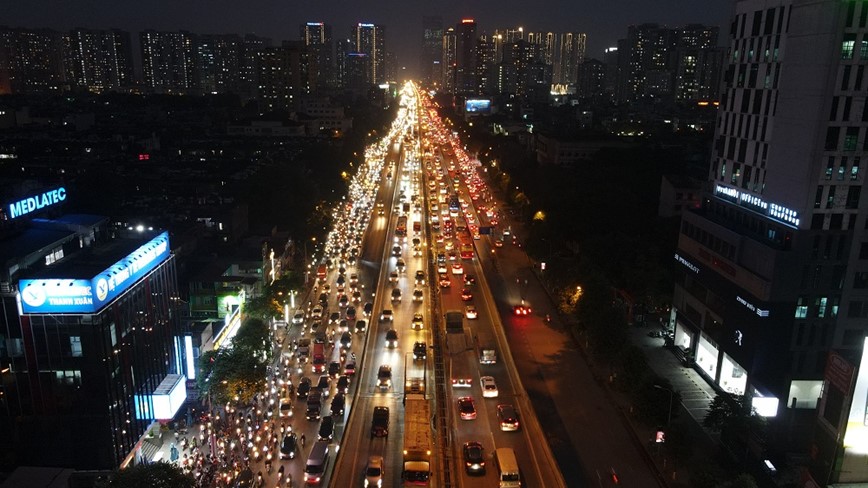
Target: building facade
{"points": [[98, 60], [432, 50], [773, 268], [87, 343], [317, 38], [370, 39], [168, 61]]}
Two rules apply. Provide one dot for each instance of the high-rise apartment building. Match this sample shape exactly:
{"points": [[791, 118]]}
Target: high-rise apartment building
{"points": [[662, 62], [218, 63], [450, 54], [772, 271], [98, 60], [698, 60], [284, 75], [465, 57], [431, 60], [570, 55], [486, 66], [317, 37], [370, 39], [168, 61], [30, 60], [251, 46]]}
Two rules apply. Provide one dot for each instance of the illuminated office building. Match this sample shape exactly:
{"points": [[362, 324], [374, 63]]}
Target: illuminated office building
{"points": [[449, 59], [370, 40], [465, 58], [772, 270], [432, 50], [87, 347], [317, 38]]}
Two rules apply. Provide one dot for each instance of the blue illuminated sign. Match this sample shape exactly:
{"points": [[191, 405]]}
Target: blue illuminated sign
{"points": [[88, 296], [36, 202], [477, 105], [366, 25]]}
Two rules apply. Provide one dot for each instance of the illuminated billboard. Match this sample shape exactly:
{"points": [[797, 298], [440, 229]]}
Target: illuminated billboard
{"points": [[59, 295], [36, 202], [477, 106]]}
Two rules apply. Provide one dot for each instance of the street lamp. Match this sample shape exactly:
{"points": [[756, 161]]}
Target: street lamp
{"points": [[669, 416]]}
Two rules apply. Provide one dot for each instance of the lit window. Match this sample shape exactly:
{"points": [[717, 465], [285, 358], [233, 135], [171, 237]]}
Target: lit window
{"points": [[75, 346]]}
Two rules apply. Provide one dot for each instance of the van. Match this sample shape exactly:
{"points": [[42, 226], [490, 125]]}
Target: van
{"points": [[317, 462], [508, 474]]}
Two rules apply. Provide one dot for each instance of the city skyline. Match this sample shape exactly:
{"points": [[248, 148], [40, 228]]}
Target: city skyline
{"points": [[403, 21]]}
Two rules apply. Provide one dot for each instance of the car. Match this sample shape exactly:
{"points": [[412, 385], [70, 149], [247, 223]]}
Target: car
{"points": [[396, 251], [393, 276], [303, 388], [374, 472], [350, 368], [469, 279], [420, 277], [326, 429], [334, 317], [351, 313], [343, 301], [453, 256], [338, 403], [346, 340], [444, 281], [474, 457], [384, 377], [391, 338], [396, 294], [354, 278], [324, 384], [466, 294], [418, 322], [467, 408], [361, 326], [507, 417], [298, 318], [441, 268], [498, 242], [334, 368], [489, 387], [457, 269], [400, 265], [289, 446], [470, 312], [317, 313], [326, 289], [420, 350], [367, 308], [314, 405], [341, 280], [343, 325], [386, 315], [343, 384], [521, 310], [357, 296], [285, 407], [418, 295]]}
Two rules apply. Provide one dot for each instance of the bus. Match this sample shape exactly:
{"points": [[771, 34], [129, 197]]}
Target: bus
{"points": [[466, 251], [401, 229], [417, 440]]}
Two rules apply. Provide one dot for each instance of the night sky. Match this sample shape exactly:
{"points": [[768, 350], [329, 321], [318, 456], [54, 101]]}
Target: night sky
{"points": [[604, 21]]}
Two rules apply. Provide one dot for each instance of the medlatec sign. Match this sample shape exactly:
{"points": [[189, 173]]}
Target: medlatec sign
{"points": [[37, 202], [58, 295]]}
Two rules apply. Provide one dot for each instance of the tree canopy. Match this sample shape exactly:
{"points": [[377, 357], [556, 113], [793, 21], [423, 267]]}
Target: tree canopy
{"points": [[155, 475]]}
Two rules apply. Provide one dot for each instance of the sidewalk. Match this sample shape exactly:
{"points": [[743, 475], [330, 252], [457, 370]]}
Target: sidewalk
{"points": [[696, 393]]}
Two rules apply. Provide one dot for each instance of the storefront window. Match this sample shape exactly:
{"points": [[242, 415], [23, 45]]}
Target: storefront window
{"points": [[733, 378], [707, 353]]}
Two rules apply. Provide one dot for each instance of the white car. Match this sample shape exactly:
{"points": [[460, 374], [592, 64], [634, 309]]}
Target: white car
{"points": [[470, 312], [374, 472], [298, 318], [457, 269], [489, 387]]}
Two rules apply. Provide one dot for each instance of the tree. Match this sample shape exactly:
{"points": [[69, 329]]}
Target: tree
{"points": [[156, 475], [743, 480]]}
